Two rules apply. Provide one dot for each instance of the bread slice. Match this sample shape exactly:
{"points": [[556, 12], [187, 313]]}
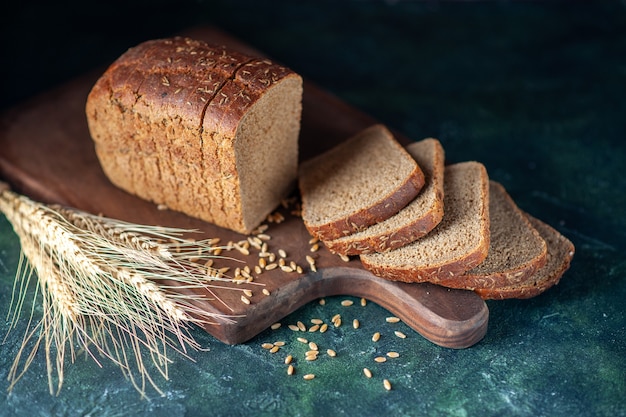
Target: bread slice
{"points": [[560, 253], [360, 182], [198, 128], [418, 218], [516, 249], [459, 243]]}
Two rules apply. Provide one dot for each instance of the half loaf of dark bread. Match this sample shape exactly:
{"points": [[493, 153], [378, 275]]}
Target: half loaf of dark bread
{"points": [[197, 128]]}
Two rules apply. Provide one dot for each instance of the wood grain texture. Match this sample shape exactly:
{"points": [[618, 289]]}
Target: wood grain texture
{"points": [[46, 153]]}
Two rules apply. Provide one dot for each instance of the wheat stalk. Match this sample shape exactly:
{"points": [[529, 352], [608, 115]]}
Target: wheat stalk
{"points": [[107, 286]]}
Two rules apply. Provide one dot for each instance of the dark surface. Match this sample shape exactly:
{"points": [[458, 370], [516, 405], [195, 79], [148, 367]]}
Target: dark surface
{"points": [[535, 91]]}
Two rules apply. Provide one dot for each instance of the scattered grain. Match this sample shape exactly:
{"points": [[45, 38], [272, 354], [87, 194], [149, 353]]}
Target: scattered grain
{"points": [[301, 326], [376, 337], [245, 299], [314, 328], [267, 346], [266, 291], [392, 319], [247, 292], [288, 359], [367, 372], [380, 359], [275, 326], [242, 250], [322, 302], [302, 340], [282, 253], [387, 384], [393, 354], [355, 323], [309, 377], [290, 370], [315, 247], [323, 328], [317, 321], [275, 349], [347, 303], [331, 353], [400, 334], [313, 346], [271, 266], [294, 328], [363, 302]]}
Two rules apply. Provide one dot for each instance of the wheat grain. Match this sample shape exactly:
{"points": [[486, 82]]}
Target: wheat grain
{"points": [[101, 288]]}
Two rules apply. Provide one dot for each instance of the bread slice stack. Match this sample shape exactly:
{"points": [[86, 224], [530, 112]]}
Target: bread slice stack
{"points": [[447, 225]]}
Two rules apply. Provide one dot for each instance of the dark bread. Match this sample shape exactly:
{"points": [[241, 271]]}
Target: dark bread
{"points": [[560, 253], [196, 127], [360, 182], [459, 243], [418, 218], [516, 251]]}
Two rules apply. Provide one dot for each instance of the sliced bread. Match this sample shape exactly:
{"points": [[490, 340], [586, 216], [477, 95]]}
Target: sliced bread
{"points": [[459, 243], [516, 251], [418, 218], [360, 182], [560, 254]]}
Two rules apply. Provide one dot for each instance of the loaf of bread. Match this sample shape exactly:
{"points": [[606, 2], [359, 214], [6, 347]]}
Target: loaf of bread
{"points": [[201, 129], [418, 218], [360, 182], [516, 249], [459, 243]]}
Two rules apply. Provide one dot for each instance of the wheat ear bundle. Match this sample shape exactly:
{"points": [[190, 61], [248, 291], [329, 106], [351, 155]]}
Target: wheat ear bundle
{"points": [[107, 289]]}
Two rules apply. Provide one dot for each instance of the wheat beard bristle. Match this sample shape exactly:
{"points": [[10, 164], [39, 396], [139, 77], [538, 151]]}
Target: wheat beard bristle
{"points": [[99, 280]]}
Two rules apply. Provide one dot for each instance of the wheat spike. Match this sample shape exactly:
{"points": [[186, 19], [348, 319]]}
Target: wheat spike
{"points": [[108, 286]]}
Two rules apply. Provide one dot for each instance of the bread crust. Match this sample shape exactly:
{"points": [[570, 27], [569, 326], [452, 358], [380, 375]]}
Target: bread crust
{"points": [[473, 279], [383, 209], [386, 205], [386, 240], [437, 271], [432, 274], [560, 254], [164, 118]]}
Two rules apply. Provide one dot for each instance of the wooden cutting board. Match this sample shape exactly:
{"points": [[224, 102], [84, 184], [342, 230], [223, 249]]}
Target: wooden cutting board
{"points": [[47, 154]]}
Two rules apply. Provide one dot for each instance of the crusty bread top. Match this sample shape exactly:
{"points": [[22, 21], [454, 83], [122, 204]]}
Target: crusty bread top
{"points": [[560, 254], [196, 126], [460, 242], [516, 251], [178, 78], [362, 181], [418, 218]]}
